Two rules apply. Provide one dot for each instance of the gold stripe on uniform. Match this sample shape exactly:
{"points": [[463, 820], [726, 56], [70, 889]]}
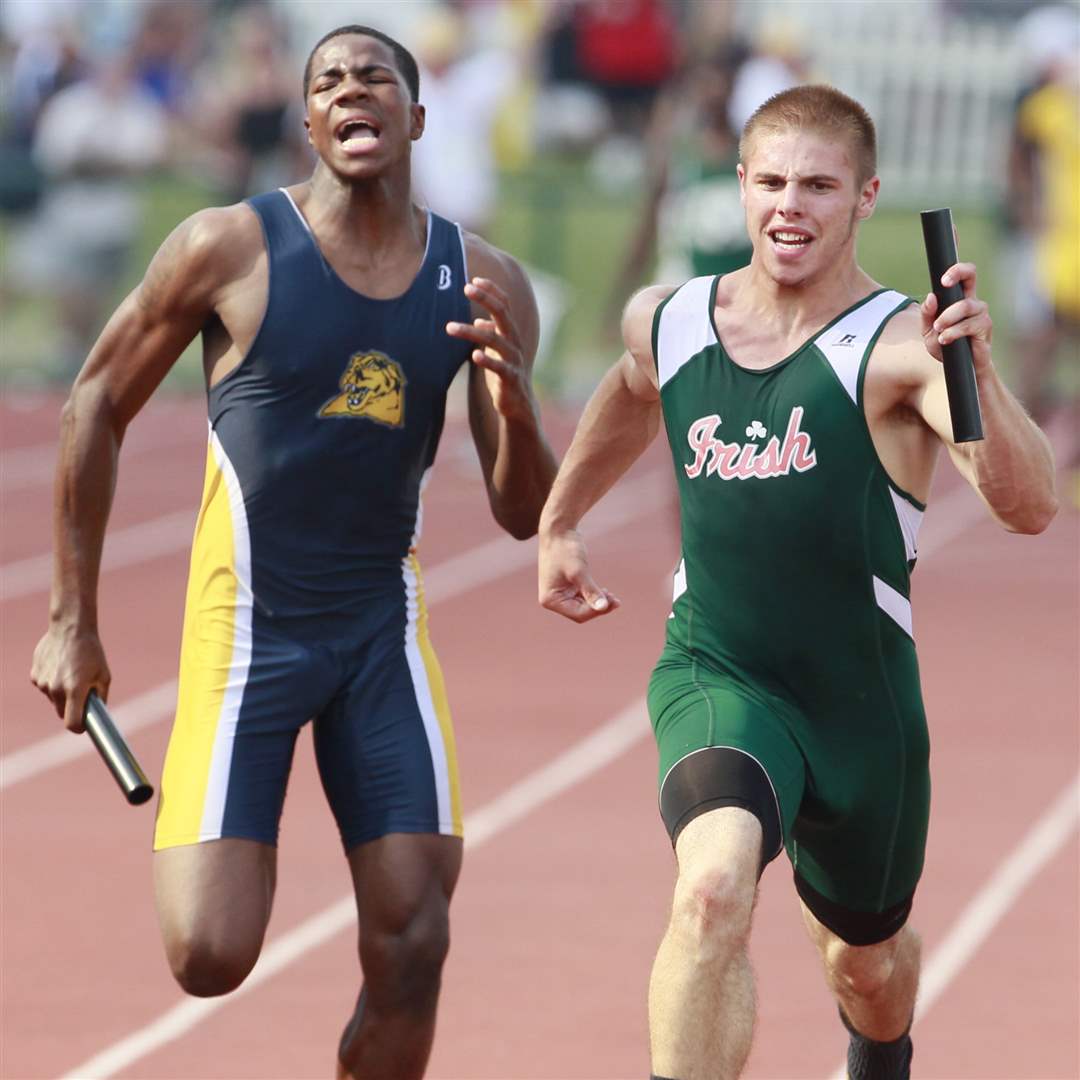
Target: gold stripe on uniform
{"points": [[437, 688], [205, 660]]}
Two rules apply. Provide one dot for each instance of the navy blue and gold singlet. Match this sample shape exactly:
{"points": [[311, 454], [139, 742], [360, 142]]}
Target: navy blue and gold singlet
{"points": [[305, 599]]}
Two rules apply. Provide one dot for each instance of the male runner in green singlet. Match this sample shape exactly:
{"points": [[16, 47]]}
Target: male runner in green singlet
{"points": [[805, 407]]}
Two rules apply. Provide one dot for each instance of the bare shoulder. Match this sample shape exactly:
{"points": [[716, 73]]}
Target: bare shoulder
{"points": [[904, 328], [221, 230], [638, 315], [484, 259], [203, 254], [900, 363]]}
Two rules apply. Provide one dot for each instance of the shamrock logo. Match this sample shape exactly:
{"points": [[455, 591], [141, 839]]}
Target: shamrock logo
{"points": [[756, 430]]}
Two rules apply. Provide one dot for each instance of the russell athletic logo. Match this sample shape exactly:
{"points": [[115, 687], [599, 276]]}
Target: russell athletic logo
{"points": [[732, 461]]}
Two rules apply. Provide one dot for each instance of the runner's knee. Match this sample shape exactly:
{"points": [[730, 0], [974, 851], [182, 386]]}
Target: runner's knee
{"points": [[207, 968], [712, 907], [863, 971], [404, 964], [213, 903]]}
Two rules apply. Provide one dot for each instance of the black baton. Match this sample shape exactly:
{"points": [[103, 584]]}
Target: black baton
{"points": [[960, 383], [116, 753]]}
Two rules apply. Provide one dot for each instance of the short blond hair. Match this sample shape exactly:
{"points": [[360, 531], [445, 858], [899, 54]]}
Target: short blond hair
{"points": [[817, 108]]}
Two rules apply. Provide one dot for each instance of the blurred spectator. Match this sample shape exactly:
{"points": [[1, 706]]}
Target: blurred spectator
{"points": [[248, 105], [627, 50], [692, 215], [776, 64], [167, 48], [475, 61], [605, 63], [1043, 211], [44, 54], [95, 139], [310, 19], [47, 58], [462, 90]]}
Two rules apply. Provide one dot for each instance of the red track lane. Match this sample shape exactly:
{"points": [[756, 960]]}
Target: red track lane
{"points": [[557, 917]]}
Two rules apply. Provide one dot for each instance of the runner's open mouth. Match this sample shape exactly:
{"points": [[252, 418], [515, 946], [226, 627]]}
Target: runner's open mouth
{"points": [[357, 131], [789, 239]]}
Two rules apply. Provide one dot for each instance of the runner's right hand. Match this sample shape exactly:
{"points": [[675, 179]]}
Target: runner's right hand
{"points": [[67, 665], [566, 586]]}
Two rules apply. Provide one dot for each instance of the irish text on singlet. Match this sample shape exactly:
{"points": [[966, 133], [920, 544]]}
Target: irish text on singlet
{"points": [[796, 545]]}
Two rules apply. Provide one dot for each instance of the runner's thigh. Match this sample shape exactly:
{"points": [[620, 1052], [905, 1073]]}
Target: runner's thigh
{"points": [[722, 745], [385, 744]]}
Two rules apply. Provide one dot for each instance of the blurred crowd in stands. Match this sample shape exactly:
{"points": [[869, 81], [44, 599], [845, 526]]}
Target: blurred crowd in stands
{"points": [[100, 94], [96, 96]]}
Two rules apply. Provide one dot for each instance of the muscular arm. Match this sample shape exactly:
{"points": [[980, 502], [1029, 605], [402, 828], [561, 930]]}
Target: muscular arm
{"points": [[1012, 468], [504, 415], [141, 341], [616, 427]]}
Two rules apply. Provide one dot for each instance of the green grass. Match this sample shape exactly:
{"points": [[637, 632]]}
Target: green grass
{"points": [[553, 218]]}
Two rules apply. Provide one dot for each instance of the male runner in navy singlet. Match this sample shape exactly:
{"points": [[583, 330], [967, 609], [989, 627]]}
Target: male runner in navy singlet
{"points": [[334, 315], [805, 408]]}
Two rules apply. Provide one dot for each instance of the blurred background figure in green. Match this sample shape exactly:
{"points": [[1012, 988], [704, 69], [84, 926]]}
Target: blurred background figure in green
{"points": [[691, 220]]}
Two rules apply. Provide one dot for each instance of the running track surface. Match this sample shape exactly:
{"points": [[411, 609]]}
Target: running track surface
{"points": [[568, 872]]}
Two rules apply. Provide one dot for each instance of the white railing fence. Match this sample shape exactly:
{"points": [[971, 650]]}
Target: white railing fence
{"points": [[939, 85]]}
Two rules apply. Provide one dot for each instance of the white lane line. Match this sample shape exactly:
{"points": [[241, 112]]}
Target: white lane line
{"points": [[994, 900], [123, 547], [975, 923], [141, 711], [461, 572], [173, 532], [590, 755], [24, 466], [471, 569]]}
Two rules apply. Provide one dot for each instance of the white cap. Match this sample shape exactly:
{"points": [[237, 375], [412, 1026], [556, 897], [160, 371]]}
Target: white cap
{"points": [[1049, 36]]}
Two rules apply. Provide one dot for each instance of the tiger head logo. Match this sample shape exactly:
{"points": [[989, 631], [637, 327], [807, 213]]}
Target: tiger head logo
{"points": [[373, 385]]}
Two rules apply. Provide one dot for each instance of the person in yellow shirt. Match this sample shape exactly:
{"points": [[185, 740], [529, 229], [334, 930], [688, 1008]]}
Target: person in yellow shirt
{"points": [[1044, 203]]}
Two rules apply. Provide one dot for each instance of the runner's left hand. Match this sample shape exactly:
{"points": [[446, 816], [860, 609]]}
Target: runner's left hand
{"points": [[498, 351], [968, 318]]}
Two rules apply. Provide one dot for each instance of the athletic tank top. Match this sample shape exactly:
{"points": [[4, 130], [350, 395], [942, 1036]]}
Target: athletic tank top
{"points": [[320, 439], [795, 543]]}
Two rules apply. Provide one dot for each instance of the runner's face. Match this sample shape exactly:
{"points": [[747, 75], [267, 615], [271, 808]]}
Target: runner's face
{"points": [[802, 202], [360, 118]]}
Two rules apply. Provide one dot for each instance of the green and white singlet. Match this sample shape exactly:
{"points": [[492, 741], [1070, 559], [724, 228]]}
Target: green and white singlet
{"points": [[790, 635]]}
